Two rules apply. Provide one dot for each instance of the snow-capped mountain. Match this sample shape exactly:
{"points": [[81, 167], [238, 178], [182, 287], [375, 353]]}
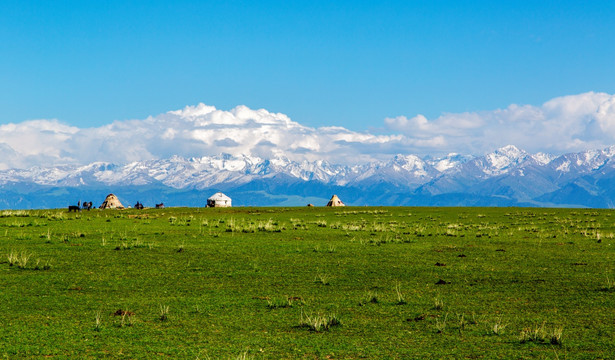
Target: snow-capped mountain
{"points": [[506, 176]]}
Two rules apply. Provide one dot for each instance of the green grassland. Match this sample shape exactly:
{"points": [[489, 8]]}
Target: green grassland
{"points": [[269, 283]]}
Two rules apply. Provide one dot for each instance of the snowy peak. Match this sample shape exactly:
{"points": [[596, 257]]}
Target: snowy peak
{"points": [[502, 160], [450, 161], [506, 156], [410, 163]]}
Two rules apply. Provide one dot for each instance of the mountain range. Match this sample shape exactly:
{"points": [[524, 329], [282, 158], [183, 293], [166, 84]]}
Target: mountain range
{"points": [[506, 177]]}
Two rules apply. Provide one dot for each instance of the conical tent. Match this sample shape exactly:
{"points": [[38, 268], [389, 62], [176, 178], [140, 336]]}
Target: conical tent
{"points": [[335, 201], [111, 202]]}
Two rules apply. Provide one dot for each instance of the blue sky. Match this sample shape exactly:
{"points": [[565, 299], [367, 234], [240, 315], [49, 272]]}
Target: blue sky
{"points": [[342, 63]]}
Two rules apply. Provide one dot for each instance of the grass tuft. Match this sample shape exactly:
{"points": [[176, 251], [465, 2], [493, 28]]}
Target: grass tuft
{"points": [[400, 297], [281, 303], [540, 334], [438, 304], [319, 322], [498, 327], [441, 324], [609, 286], [323, 279], [370, 298], [164, 312], [98, 320], [11, 257]]}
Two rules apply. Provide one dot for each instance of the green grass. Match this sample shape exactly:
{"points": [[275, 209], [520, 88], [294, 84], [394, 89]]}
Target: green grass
{"points": [[270, 283]]}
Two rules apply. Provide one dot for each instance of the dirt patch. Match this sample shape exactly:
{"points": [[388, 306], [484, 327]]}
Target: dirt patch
{"points": [[418, 318], [120, 312]]}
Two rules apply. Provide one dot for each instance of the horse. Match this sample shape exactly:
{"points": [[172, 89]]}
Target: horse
{"points": [[160, 206], [74, 208]]}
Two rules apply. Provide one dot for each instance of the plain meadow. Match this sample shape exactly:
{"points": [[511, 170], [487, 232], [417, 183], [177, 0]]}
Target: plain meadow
{"points": [[340, 283]]}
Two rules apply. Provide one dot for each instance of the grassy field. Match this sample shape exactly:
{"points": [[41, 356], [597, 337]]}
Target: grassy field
{"points": [[340, 283]]}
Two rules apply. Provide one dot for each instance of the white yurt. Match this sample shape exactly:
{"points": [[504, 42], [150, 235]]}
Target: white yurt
{"points": [[219, 200]]}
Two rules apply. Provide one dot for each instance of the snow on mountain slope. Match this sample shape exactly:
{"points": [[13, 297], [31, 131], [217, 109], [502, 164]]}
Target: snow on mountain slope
{"points": [[543, 158], [450, 161], [584, 161]]}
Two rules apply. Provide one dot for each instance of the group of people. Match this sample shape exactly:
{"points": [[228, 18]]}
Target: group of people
{"points": [[88, 206], [140, 206], [78, 207]]}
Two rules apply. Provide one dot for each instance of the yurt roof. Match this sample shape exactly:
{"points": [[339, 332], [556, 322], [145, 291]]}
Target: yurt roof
{"points": [[219, 196], [335, 198]]}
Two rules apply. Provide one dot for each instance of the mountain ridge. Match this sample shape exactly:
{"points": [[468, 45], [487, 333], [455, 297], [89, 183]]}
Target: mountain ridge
{"points": [[508, 176]]}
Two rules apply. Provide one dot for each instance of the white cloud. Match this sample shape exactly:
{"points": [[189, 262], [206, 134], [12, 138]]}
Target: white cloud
{"points": [[563, 124], [194, 131], [569, 123]]}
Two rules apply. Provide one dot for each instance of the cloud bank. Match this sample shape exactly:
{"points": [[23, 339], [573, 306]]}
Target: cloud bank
{"points": [[564, 124]]}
